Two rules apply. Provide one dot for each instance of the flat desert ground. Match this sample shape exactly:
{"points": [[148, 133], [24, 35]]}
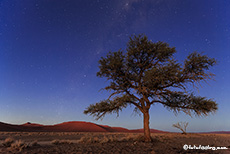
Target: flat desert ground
{"points": [[85, 142]]}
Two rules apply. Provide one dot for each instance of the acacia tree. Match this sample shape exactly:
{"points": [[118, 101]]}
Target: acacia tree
{"points": [[146, 74]]}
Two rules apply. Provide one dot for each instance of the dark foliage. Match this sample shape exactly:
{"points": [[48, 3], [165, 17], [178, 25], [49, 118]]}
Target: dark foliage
{"points": [[147, 73]]}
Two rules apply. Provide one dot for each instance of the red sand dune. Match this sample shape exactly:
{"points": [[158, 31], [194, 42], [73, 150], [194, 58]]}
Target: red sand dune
{"points": [[76, 126], [31, 124], [9, 127], [114, 129], [120, 129]]}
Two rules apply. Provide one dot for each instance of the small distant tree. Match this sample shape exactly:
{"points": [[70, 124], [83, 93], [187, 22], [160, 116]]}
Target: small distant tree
{"points": [[146, 74], [182, 126]]}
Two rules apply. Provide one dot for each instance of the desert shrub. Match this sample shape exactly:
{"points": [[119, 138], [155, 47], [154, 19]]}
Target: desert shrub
{"points": [[182, 126], [95, 139], [83, 139], [58, 142], [131, 137], [105, 139], [55, 142], [34, 143], [30, 134], [18, 145], [110, 138], [88, 139], [66, 142], [8, 141], [158, 138]]}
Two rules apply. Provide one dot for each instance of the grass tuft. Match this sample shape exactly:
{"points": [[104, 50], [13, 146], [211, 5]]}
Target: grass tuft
{"points": [[58, 142], [34, 143], [7, 142], [18, 145]]}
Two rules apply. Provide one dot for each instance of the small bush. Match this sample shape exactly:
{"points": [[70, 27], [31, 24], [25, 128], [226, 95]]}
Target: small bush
{"points": [[110, 138], [66, 142], [104, 140], [58, 142], [95, 139], [8, 142], [55, 142], [88, 139], [34, 143], [182, 126], [19, 145], [83, 139], [128, 137], [132, 137]]}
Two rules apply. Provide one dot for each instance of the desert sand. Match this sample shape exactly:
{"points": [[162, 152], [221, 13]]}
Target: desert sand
{"points": [[85, 137], [85, 142]]}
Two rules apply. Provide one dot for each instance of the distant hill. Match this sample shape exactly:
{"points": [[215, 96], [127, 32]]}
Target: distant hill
{"points": [[32, 124], [217, 132], [72, 126], [76, 126]]}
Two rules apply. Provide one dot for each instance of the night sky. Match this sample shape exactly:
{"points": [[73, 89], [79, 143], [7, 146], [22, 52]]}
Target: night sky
{"points": [[49, 53]]}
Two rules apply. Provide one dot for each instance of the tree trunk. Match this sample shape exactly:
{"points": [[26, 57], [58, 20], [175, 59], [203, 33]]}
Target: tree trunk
{"points": [[146, 127]]}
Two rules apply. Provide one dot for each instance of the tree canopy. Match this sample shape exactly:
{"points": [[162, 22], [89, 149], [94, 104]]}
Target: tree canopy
{"points": [[147, 73]]}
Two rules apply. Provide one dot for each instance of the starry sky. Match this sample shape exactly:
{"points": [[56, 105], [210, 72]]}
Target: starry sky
{"points": [[49, 53]]}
